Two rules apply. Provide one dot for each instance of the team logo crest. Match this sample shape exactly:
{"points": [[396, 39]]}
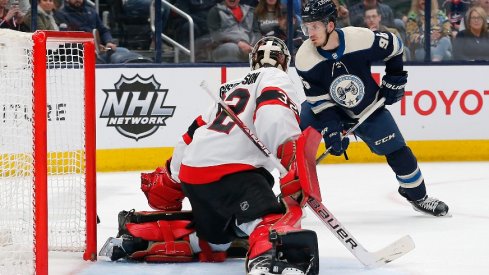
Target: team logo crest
{"points": [[135, 107], [347, 90]]}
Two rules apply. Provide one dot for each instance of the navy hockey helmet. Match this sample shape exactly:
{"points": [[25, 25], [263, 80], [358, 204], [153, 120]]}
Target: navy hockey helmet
{"points": [[270, 51], [319, 10]]}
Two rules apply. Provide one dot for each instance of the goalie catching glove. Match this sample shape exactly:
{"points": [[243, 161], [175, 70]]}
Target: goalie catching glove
{"points": [[392, 87], [162, 192]]}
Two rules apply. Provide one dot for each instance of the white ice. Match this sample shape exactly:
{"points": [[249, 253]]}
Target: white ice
{"points": [[364, 198]]}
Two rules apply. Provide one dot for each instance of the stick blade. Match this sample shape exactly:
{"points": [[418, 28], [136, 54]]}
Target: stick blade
{"points": [[388, 254]]}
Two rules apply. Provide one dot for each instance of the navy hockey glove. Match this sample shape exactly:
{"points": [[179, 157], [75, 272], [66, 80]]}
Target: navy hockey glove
{"points": [[332, 138], [392, 87]]}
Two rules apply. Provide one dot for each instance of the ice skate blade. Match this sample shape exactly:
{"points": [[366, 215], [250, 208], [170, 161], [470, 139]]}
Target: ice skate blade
{"points": [[447, 215]]}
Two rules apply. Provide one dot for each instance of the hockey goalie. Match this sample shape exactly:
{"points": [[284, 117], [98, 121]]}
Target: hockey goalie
{"points": [[228, 182]]}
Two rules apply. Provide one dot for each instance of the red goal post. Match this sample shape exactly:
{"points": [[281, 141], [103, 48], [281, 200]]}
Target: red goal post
{"points": [[47, 148]]}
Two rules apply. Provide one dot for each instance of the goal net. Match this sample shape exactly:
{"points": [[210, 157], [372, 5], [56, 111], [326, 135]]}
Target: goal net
{"points": [[47, 148]]}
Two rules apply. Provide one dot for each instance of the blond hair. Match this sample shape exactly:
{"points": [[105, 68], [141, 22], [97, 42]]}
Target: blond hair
{"points": [[482, 13], [434, 7]]}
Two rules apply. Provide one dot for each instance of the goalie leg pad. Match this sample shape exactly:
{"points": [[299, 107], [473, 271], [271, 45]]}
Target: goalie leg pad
{"points": [[158, 236], [132, 216], [307, 147], [174, 251], [259, 239]]}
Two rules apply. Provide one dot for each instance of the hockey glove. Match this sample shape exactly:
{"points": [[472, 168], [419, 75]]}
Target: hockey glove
{"points": [[162, 192], [392, 87], [332, 138]]}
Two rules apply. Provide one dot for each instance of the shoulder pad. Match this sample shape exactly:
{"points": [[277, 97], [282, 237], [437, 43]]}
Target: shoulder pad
{"points": [[307, 56], [357, 39]]}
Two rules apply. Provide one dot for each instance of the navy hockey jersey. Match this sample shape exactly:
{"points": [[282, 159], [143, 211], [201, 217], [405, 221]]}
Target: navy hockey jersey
{"points": [[343, 77]]}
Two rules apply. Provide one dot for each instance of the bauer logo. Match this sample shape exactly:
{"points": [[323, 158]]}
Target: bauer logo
{"points": [[135, 107]]}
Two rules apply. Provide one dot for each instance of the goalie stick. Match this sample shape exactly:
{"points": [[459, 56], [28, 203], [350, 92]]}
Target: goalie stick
{"points": [[360, 121], [368, 259]]}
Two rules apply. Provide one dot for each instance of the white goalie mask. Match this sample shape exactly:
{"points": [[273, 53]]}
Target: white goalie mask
{"points": [[270, 51]]}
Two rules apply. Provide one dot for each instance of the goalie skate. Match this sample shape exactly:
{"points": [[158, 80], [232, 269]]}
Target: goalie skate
{"points": [[261, 265], [108, 248], [293, 253]]}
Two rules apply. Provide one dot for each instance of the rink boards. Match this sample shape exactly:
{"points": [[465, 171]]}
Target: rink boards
{"points": [[143, 112]]}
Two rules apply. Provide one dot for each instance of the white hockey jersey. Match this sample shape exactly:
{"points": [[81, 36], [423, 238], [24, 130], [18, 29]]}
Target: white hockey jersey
{"points": [[266, 101]]}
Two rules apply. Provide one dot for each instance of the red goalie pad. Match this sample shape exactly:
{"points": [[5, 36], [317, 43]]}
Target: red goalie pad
{"points": [[307, 146]]}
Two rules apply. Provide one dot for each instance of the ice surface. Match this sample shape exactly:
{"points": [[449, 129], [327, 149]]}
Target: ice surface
{"points": [[364, 198]]}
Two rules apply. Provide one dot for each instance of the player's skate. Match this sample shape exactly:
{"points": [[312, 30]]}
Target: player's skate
{"points": [[265, 265], [428, 205]]}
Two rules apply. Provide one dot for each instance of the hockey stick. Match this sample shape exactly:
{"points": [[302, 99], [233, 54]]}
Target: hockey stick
{"points": [[360, 121], [368, 259]]}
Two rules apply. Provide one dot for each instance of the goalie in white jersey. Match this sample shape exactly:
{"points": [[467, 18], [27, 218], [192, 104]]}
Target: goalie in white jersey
{"points": [[228, 181]]}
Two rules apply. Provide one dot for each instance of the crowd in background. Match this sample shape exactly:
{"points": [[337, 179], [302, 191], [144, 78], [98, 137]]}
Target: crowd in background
{"points": [[225, 30]]}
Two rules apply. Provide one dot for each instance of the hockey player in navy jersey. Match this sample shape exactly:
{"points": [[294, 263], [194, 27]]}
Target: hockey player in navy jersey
{"points": [[335, 67], [228, 181]]}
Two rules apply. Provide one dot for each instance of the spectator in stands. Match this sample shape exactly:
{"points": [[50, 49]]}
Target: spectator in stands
{"points": [[198, 10], [233, 30], [343, 18], [373, 21], [78, 16], [473, 42], [483, 4], [280, 31], [415, 24], [399, 7], [455, 11], [357, 12], [441, 46], [267, 13], [11, 18], [45, 16]]}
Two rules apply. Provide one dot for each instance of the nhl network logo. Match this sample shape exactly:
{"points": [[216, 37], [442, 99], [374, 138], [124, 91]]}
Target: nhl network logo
{"points": [[135, 107]]}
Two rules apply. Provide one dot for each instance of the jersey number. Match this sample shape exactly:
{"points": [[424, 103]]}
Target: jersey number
{"points": [[242, 96], [384, 39]]}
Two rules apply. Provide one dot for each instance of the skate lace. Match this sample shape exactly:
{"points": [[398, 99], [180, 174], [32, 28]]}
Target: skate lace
{"points": [[429, 203]]}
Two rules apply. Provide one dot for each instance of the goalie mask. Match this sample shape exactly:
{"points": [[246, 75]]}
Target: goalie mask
{"points": [[270, 51]]}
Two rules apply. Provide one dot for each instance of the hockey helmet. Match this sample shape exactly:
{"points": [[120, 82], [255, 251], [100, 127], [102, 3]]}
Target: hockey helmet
{"points": [[270, 51], [319, 10]]}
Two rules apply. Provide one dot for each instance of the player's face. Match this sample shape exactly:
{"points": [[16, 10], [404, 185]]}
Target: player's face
{"points": [[316, 31]]}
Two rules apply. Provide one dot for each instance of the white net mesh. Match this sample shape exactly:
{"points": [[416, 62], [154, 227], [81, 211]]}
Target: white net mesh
{"points": [[66, 147]]}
